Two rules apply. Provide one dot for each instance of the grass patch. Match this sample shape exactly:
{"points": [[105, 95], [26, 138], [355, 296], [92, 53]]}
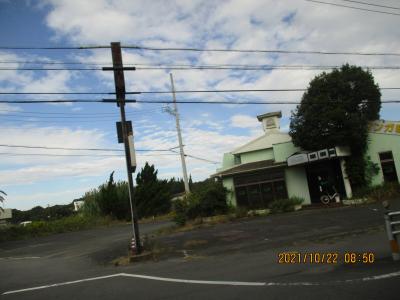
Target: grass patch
{"points": [[166, 217], [42, 228]]}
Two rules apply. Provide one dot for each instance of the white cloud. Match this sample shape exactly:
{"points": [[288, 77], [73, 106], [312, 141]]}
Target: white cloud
{"points": [[7, 108], [250, 24], [45, 172], [244, 121], [26, 201]]}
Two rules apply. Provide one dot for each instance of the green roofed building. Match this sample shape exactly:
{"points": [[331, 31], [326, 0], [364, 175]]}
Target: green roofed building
{"points": [[270, 167]]}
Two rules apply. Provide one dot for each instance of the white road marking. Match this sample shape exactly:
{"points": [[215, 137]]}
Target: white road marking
{"points": [[17, 258], [240, 283], [376, 277], [209, 282], [60, 284]]}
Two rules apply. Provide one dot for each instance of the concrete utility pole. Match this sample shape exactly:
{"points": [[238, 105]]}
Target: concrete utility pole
{"points": [[119, 80], [178, 129]]}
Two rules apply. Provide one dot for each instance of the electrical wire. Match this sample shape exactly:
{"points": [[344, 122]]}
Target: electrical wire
{"points": [[74, 155], [260, 68], [161, 101], [188, 66], [223, 68], [41, 115], [196, 157], [78, 149], [371, 4], [50, 69], [137, 47], [57, 93], [263, 51], [354, 7], [54, 48], [93, 149], [169, 92]]}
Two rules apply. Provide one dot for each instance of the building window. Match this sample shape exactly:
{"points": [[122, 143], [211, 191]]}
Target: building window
{"points": [[388, 166], [256, 190], [238, 160]]}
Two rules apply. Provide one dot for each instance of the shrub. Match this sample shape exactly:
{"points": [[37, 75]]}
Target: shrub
{"points": [[208, 199], [180, 208], [40, 228], [285, 205], [386, 191]]}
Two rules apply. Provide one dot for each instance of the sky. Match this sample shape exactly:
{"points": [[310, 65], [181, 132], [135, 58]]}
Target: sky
{"points": [[30, 179]]}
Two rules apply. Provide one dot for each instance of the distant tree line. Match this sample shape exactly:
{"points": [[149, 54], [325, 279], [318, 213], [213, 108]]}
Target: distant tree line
{"points": [[152, 195], [39, 213]]}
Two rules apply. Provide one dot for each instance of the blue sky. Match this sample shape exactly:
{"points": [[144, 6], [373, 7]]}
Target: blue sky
{"points": [[208, 130]]}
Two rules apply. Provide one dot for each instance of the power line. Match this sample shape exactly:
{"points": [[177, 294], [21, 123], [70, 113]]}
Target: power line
{"points": [[52, 154], [169, 92], [81, 115], [354, 7], [73, 155], [260, 68], [78, 149], [238, 102], [196, 157], [43, 62], [137, 47], [61, 101], [198, 67], [56, 93], [37, 119], [160, 101], [200, 158], [263, 51], [237, 91], [50, 69], [24, 114], [184, 66], [54, 48], [194, 67], [372, 4]]}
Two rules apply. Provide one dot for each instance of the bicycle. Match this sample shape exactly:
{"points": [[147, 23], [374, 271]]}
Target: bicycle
{"points": [[325, 199]]}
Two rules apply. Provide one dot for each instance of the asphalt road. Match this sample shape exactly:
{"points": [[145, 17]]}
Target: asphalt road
{"points": [[229, 261]]}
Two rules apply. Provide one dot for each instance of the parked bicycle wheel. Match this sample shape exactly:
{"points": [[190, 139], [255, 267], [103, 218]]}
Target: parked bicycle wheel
{"points": [[325, 199]]}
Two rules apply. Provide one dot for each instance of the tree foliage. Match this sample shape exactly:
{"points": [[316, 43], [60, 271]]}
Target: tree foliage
{"points": [[109, 199], [152, 195], [335, 111], [208, 198], [39, 213]]}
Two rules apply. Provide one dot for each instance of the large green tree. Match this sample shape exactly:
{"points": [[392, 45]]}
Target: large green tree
{"points": [[152, 195], [335, 110]]}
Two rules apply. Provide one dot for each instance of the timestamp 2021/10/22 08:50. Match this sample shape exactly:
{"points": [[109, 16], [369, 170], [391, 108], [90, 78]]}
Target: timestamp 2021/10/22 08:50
{"points": [[326, 257]]}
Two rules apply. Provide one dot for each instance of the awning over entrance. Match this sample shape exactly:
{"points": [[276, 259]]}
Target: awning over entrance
{"points": [[250, 167]]}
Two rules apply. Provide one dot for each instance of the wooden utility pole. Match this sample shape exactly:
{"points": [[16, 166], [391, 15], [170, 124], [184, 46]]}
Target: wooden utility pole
{"points": [[178, 129], [119, 80]]}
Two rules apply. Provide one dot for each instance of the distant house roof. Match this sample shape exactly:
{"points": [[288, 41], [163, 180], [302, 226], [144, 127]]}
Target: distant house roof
{"points": [[253, 166], [264, 142]]}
